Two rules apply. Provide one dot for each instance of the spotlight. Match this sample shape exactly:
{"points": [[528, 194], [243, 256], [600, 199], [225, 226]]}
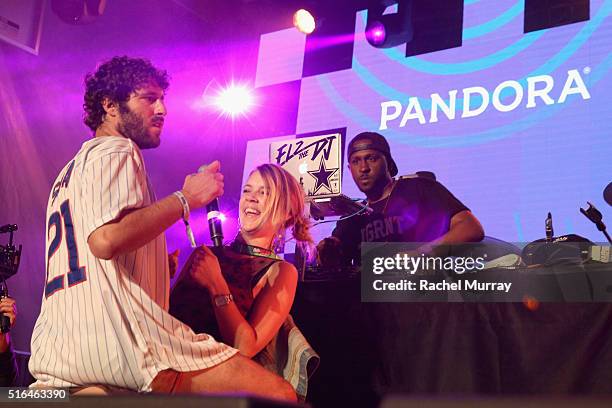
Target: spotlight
{"points": [[235, 100], [386, 30], [376, 33], [304, 21]]}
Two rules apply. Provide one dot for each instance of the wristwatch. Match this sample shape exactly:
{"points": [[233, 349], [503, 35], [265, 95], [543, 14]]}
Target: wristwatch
{"points": [[222, 300]]}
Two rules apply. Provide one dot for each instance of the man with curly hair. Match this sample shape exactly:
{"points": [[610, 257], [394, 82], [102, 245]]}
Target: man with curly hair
{"points": [[104, 322]]}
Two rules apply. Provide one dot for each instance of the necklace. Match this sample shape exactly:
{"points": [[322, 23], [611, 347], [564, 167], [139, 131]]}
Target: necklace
{"points": [[252, 250], [385, 197]]}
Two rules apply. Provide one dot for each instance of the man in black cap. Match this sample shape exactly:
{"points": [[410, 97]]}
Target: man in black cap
{"points": [[412, 209]]}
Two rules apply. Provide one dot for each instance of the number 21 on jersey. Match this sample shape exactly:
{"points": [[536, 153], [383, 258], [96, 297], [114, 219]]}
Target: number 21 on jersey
{"points": [[62, 221]]}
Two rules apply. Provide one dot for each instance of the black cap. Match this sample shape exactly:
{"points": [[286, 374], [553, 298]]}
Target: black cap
{"points": [[374, 141]]}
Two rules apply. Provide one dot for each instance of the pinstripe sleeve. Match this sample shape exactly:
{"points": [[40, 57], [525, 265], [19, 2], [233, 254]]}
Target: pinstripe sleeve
{"points": [[114, 182]]}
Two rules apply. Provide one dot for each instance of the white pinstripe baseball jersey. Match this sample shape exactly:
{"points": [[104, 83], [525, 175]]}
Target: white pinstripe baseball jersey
{"points": [[106, 322]]}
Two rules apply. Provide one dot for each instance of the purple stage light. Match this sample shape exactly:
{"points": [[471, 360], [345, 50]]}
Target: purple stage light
{"points": [[235, 100], [376, 33]]}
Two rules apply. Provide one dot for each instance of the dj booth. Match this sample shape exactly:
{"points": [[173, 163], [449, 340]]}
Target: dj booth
{"points": [[370, 350]]}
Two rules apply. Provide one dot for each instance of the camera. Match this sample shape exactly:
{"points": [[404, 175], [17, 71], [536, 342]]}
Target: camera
{"points": [[10, 256]]}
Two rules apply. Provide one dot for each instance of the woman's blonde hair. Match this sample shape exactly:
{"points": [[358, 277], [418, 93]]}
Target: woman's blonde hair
{"points": [[285, 203]]}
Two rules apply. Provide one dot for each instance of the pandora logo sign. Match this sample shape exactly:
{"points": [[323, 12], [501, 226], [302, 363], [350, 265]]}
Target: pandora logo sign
{"points": [[506, 97]]}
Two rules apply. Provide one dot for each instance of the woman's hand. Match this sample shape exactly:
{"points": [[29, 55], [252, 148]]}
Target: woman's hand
{"points": [[205, 270], [267, 314], [9, 308]]}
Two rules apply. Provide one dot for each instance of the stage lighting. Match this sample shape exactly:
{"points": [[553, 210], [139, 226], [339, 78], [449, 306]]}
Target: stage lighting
{"points": [[235, 100], [304, 21], [376, 33], [386, 30]]}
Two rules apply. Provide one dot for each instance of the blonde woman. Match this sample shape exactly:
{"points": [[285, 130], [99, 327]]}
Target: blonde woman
{"points": [[242, 294]]}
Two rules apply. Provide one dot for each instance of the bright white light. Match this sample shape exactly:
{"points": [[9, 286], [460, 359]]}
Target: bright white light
{"points": [[235, 100], [304, 21], [222, 217], [303, 168]]}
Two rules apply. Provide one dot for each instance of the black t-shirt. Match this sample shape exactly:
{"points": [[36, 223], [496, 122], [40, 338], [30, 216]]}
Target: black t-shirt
{"points": [[417, 210]]}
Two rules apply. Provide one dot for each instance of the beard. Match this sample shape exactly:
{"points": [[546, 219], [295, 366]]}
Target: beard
{"points": [[375, 187], [132, 126]]}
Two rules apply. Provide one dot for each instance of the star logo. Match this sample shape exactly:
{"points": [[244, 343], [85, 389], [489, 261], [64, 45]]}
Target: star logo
{"points": [[322, 176]]}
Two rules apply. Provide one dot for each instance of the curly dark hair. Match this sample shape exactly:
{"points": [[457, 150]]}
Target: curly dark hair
{"points": [[116, 79]]}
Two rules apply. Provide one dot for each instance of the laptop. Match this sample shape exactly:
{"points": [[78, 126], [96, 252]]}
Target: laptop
{"points": [[316, 163]]}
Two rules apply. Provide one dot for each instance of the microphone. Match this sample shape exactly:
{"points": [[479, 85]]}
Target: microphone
{"points": [[214, 219], [548, 224], [214, 223], [608, 194]]}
